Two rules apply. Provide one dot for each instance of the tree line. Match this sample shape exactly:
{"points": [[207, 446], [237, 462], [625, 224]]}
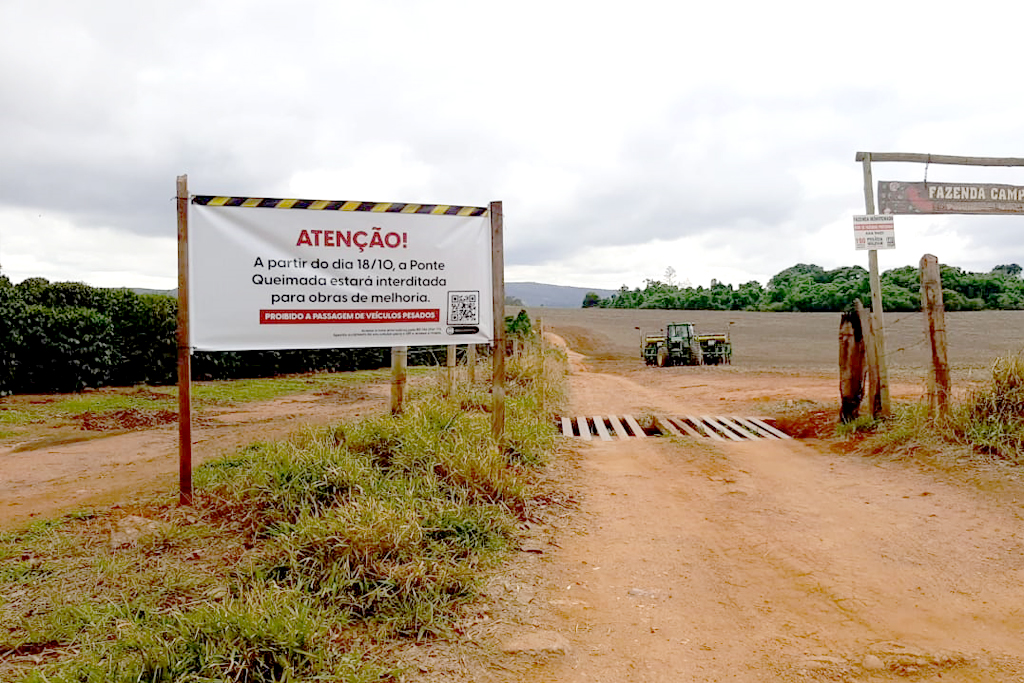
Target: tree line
{"points": [[810, 288]]}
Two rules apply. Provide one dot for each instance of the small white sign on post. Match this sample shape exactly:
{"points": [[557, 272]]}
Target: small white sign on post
{"points": [[874, 232]]}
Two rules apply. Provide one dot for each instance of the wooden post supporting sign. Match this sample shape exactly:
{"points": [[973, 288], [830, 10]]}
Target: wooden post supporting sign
{"points": [[184, 353], [498, 303], [880, 407]]}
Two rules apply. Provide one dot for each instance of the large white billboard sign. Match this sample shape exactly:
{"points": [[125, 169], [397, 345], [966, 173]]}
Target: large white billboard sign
{"points": [[301, 274]]}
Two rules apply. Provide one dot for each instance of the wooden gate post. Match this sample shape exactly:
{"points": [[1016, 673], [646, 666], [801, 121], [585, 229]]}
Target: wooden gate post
{"points": [[935, 327]]}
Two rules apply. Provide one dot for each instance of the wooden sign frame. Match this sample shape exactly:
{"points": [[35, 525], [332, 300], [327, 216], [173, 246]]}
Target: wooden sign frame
{"points": [[869, 201], [398, 352]]}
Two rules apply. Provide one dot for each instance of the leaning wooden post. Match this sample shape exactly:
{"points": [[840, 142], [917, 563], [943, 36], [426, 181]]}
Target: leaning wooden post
{"points": [[184, 353], [935, 327], [871, 355], [399, 360], [883, 408], [851, 366], [449, 373], [498, 307]]}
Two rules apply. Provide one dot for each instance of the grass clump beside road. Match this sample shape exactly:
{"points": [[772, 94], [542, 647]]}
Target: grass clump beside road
{"points": [[303, 559], [991, 420], [987, 422]]}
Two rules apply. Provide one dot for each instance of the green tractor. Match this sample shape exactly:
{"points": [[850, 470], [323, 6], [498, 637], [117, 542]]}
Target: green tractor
{"points": [[681, 345]]}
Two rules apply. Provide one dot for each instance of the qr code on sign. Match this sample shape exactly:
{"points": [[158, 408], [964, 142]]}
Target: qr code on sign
{"points": [[464, 308]]}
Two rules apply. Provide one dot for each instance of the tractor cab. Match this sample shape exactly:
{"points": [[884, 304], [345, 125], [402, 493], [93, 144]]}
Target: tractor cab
{"points": [[680, 333]]}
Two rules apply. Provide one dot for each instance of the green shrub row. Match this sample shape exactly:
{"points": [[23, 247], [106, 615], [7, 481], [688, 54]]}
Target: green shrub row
{"points": [[66, 336]]}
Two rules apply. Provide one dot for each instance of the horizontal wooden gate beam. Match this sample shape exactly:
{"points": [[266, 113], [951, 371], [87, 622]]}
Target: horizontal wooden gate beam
{"points": [[940, 159]]}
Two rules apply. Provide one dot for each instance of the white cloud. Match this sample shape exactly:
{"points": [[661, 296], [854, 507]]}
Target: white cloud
{"points": [[717, 138], [52, 247]]}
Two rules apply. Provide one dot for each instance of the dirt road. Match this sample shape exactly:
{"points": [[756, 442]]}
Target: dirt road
{"points": [[768, 560]]}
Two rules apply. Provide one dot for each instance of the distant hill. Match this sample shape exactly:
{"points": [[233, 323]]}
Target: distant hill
{"points": [[552, 296]]}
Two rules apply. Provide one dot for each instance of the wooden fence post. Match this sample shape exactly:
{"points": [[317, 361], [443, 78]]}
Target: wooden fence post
{"points": [[449, 373], [399, 361], [935, 327], [851, 366], [871, 355]]}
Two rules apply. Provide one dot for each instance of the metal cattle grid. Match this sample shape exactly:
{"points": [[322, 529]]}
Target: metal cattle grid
{"points": [[715, 427]]}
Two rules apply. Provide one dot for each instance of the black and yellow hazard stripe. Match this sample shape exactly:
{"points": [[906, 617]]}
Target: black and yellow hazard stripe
{"points": [[326, 205]]}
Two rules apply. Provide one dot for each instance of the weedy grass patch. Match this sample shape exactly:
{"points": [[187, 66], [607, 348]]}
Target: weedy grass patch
{"points": [[302, 560], [231, 392], [986, 423], [991, 419], [41, 421]]}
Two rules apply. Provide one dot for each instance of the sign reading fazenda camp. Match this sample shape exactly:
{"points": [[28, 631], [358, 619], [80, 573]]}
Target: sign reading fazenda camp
{"points": [[895, 197]]}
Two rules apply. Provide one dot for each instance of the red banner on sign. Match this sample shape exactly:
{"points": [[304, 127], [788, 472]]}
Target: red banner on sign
{"points": [[329, 317]]}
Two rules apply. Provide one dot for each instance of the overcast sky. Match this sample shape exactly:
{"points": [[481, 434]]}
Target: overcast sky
{"points": [[717, 139]]}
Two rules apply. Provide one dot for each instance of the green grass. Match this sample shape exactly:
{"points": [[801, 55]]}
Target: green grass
{"points": [[991, 419], [988, 424], [203, 393], [303, 560], [140, 399], [265, 389], [17, 416]]}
